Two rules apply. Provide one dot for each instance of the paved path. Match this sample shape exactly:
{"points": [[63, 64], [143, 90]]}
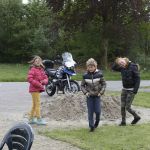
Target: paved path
{"points": [[117, 85], [14, 96]]}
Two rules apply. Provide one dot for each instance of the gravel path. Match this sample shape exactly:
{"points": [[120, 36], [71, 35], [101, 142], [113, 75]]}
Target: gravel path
{"points": [[40, 142]]}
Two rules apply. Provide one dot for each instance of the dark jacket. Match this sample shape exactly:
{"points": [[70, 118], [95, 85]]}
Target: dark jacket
{"points": [[93, 83], [130, 76]]}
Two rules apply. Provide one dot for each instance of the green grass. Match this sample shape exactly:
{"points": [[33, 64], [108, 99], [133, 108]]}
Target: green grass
{"points": [[145, 75], [77, 77], [145, 87], [106, 137], [13, 72], [113, 93], [110, 75], [141, 98], [18, 72]]}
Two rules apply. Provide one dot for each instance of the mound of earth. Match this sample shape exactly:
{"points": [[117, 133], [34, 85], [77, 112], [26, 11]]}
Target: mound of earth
{"points": [[73, 107]]}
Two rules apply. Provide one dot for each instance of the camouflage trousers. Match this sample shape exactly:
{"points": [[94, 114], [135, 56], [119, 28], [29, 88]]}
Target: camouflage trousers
{"points": [[126, 101]]}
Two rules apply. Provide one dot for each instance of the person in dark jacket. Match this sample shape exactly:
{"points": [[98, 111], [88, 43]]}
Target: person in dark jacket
{"points": [[131, 82], [93, 86]]}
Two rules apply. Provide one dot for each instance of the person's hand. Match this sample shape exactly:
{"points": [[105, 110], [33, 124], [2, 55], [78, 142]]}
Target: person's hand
{"points": [[133, 92], [101, 93], [87, 94]]}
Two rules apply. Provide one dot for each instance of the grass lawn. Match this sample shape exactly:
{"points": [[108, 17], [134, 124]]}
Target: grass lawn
{"points": [[13, 72], [106, 137], [145, 87], [18, 72], [111, 75], [141, 98], [108, 75]]}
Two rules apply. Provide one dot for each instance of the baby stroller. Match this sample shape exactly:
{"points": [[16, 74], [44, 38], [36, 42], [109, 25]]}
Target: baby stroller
{"points": [[19, 137]]}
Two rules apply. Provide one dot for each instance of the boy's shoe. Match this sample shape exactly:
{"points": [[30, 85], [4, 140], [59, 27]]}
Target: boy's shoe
{"points": [[135, 120], [92, 129], [33, 120], [122, 123], [41, 121], [96, 124]]}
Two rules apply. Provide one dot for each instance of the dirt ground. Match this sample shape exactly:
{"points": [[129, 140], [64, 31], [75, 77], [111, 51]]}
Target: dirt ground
{"points": [[73, 107]]}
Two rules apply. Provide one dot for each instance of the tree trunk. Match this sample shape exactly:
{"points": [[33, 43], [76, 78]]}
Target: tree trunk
{"points": [[105, 53]]}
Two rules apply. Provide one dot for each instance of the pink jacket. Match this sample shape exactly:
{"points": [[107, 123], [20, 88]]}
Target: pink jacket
{"points": [[37, 79]]}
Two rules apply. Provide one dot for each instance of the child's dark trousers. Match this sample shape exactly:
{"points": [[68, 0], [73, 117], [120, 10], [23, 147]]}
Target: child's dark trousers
{"points": [[94, 106]]}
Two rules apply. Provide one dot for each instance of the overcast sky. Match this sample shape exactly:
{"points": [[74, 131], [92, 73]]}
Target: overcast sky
{"points": [[25, 1]]}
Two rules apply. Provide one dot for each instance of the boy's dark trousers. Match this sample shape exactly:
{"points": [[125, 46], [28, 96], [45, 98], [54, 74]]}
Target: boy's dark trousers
{"points": [[94, 106], [126, 101]]}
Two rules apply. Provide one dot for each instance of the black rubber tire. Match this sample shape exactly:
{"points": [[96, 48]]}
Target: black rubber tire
{"points": [[72, 82], [51, 91]]}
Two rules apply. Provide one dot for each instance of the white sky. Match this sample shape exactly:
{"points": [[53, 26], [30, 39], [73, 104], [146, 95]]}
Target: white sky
{"points": [[25, 1]]}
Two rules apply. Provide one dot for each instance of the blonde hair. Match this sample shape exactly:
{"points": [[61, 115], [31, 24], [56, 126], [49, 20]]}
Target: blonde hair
{"points": [[92, 62], [125, 58], [33, 60]]}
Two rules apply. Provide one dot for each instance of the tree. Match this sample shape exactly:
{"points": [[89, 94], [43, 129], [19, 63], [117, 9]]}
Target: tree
{"points": [[21, 26], [118, 24], [13, 29]]}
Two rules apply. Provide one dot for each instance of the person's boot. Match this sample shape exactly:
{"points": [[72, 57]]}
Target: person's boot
{"points": [[135, 120], [123, 123], [92, 129], [123, 114]]}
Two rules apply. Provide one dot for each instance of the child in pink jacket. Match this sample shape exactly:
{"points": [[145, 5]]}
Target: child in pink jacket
{"points": [[37, 79]]}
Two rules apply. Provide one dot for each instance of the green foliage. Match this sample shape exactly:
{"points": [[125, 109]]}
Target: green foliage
{"points": [[82, 44], [12, 29], [40, 43], [24, 30], [99, 29], [87, 26]]}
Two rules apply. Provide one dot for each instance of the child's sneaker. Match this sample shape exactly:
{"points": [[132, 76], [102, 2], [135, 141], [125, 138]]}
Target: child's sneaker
{"points": [[33, 121], [41, 121], [96, 124]]}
